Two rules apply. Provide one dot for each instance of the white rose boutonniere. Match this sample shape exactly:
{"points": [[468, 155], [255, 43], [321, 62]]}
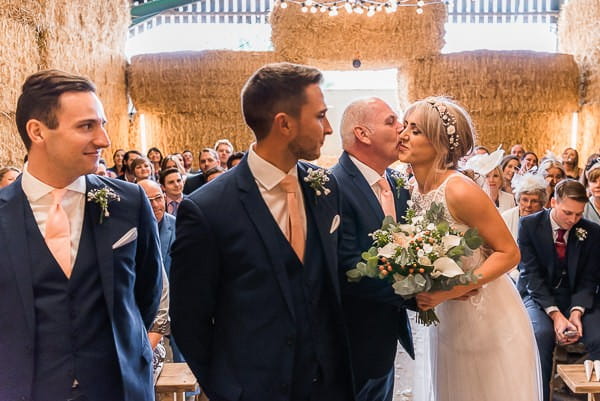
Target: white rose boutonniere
{"points": [[103, 196], [581, 233], [318, 179]]}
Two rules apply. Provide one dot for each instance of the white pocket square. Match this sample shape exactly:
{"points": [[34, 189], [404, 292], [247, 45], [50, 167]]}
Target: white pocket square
{"points": [[129, 236], [335, 223]]}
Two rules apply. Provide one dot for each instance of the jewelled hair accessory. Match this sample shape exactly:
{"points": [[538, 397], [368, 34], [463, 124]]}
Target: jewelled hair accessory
{"points": [[448, 121]]}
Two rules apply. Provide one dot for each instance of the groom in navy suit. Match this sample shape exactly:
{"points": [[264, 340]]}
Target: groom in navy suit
{"points": [[560, 261], [255, 300], [79, 283], [375, 316]]}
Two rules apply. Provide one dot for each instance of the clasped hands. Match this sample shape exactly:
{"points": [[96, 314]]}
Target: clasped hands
{"points": [[429, 300], [568, 331]]}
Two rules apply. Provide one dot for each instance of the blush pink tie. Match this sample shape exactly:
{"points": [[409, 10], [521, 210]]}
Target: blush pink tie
{"points": [[58, 232], [386, 198], [289, 184]]}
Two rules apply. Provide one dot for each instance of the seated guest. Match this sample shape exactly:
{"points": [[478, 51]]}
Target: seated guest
{"points": [[529, 163], [171, 183], [188, 160], [128, 159], [234, 159], [208, 159], [530, 192], [117, 169], [592, 178], [224, 149], [510, 165], [570, 161], [213, 173], [101, 169], [494, 184], [559, 275], [156, 157], [8, 175], [173, 162], [142, 169], [517, 150], [553, 172]]}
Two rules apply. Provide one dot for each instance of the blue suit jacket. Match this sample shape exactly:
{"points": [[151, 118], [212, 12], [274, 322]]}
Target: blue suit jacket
{"points": [[376, 317], [131, 281], [166, 232], [231, 302], [539, 259]]}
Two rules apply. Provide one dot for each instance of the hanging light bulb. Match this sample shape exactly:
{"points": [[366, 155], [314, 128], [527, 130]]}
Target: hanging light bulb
{"points": [[283, 4], [313, 9], [419, 10], [378, 8], [308, 3], [304, 9], [358, 10], [370, 13], [333, 12], [323, 9], [420, 3]]}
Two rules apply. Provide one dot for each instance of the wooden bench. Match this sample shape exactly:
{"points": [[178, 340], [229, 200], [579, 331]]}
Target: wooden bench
{"points": [[174, 380], [574, 377]]}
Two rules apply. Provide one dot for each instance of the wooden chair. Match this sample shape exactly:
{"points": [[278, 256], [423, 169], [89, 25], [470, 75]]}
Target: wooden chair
{"points": [[174, 381], [574, 377], [565, 354]]}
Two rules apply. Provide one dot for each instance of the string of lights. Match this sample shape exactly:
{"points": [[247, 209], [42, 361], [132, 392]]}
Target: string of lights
{"points": [[370, 7]]}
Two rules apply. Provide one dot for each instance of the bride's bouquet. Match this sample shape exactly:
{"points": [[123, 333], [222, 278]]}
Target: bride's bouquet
{"points": [[421, 255]]}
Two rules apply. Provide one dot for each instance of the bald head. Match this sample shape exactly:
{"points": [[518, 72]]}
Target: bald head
{"points": [[357, 113], [155, 196]]}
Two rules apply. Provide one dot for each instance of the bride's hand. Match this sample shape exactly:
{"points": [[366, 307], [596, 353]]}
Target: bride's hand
{"points": [[429, 300]]}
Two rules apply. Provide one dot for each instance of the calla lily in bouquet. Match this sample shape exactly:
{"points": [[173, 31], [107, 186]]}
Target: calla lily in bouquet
{"points": [[421, 255]]}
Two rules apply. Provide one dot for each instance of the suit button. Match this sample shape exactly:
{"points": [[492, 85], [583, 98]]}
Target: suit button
{"points": [[315, 379], [290, 341]]}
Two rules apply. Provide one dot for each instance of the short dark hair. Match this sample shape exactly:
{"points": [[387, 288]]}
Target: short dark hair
{"points": [[276, 88], [570, 189], [235, 156], [40, 96], [164, 173], [213, 170], [506, 160]]}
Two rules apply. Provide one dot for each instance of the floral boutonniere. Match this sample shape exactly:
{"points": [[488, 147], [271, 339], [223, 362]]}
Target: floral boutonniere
{"points": [[103, 196], [581, 233], [400, 180], [317, 179]]}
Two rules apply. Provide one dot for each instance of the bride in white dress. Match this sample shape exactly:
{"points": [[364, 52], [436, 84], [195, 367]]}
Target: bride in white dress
{"points": [[484, 347]]}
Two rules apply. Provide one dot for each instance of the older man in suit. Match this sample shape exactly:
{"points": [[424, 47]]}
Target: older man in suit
{"points": [[80, 276], [559, 275], [255, 297], [375, 316]]}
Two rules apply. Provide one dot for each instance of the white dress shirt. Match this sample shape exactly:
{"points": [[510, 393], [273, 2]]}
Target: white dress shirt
{"points": [[40, 199], [268, 177], [370, 175]]}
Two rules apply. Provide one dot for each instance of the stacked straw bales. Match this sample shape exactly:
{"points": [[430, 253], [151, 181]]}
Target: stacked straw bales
{"points": [[87, 38], [191, 99], [579, 34], [513, 97], [379, 41]]}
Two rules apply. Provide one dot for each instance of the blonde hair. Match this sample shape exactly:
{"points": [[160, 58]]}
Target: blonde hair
{"points": [[433, 128]]}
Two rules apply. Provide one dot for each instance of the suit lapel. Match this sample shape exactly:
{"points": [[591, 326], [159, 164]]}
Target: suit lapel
{"points": [[401, 196], [573, 252], [12, 224], [544, 233], [259, 214], [102, 239], [322, 213], [364, 190]]}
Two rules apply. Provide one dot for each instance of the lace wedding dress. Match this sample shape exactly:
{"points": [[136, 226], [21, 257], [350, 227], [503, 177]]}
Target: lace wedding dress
{"points": [[484, 348]]}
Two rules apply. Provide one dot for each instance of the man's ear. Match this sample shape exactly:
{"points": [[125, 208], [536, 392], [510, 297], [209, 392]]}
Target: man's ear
{"points": [[283, 123], [361, 134], [35, 130]]}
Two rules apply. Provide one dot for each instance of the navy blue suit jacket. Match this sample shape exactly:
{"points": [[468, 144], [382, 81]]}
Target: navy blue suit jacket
{"points": [[231, 302], [131, 281], [539, 259], [376, 317]]}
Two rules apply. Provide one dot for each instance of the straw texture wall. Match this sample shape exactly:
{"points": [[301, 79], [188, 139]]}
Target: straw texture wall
{"points": [[379, 41], [87, 38], [191, 99], [579, 34], [513, 97]]}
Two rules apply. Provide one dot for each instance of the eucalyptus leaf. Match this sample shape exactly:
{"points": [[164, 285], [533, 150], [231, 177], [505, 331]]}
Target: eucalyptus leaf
{"points": [[472, 238]]}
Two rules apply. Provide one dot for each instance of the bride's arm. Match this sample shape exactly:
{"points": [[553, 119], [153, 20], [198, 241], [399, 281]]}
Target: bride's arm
{"points": [[468, 204]]}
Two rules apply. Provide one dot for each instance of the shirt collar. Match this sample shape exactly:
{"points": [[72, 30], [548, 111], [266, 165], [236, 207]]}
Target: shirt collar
{"points": [[554, 224], [267, 175], [370, 175], [35, 189]]}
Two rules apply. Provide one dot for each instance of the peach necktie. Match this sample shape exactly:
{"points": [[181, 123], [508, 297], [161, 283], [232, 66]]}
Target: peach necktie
{"points": [[386, 198], [58, 232], [289, 184]]}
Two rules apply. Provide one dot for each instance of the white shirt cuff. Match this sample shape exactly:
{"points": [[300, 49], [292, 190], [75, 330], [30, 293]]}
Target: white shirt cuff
{"points": [[579, 308], [551, 309]]}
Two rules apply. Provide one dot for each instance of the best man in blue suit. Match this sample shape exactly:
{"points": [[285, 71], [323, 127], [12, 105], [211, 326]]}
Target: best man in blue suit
{"points": [[255, 301], [74, 317], [375, 316], [559, 268]]}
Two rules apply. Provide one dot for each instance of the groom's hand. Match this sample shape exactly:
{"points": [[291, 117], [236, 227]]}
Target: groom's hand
{"points": [[561, 325]]}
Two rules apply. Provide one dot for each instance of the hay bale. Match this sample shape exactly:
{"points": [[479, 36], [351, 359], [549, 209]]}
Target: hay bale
{"points": [[379, 41], [589, 130], [579, 35], [191, 99], [529, 99], [12, 150]]}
